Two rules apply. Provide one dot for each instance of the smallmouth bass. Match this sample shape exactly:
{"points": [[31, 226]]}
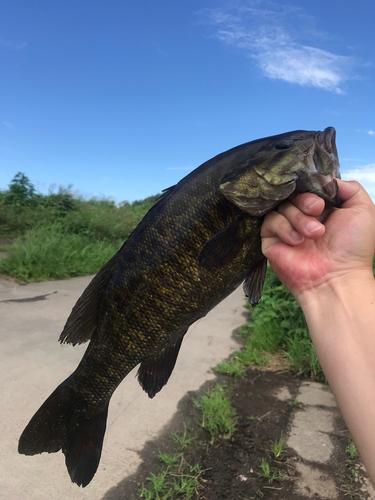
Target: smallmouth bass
{"points": [[194, 247]]}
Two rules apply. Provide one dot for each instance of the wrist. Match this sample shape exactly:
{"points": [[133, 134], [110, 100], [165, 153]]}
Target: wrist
{"points": [[340, 292]]}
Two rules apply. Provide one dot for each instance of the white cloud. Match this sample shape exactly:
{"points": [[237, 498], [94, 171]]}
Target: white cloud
{"points": [[367, 173], [371, 132], [269, 37], [364, 174]]}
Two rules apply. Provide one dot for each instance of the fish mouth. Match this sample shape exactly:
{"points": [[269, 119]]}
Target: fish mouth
{"points": [[325, 152], [327, 164], [322, 168]]}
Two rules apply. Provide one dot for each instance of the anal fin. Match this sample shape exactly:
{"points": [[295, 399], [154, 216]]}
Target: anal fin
{"points": [[155, 371]]}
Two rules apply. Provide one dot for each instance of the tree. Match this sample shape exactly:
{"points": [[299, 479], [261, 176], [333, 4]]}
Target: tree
{"points": [[21, 191]]}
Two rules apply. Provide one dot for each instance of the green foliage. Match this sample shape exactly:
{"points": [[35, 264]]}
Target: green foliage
{"points": [[234, 368], [50, 253], [351, 451], [218, 415], [270, 474], [278, 448], [178, 480], [278, 325], [182, 439], [58, 235], [21, 191]]}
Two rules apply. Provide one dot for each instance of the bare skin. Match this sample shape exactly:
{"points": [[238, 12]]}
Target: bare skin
{"points": [[324, 257]]}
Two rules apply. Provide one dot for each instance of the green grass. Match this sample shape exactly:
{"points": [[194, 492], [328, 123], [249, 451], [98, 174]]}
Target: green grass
{"points": [[48, 253], [217, 414], [234, 368], [182, 439], [278, 325], [268, 473], [278, 448], [178, 480], [58, 235]]}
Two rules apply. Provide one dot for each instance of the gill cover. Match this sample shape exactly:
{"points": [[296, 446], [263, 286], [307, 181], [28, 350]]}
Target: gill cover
{"points": [[253, 194]]}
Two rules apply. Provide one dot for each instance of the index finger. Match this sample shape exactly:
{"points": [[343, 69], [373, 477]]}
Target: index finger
{"points": [[309, 203]]}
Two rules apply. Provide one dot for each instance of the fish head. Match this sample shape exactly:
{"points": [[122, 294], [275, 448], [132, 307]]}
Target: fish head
{"points": [[303, 161]]}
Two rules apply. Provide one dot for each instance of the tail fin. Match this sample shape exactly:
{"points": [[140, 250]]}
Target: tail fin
{"points": [[58, 425]]}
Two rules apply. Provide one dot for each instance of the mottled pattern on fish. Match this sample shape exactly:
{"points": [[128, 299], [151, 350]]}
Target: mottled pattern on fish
{"points": [[198, 243], [157, 288]]}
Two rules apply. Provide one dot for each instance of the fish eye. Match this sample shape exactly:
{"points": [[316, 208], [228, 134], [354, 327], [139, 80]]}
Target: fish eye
{"points": [[284, 144]]}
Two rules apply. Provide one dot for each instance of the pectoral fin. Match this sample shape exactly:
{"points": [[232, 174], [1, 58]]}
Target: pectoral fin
{"points": [[225, 245], [154, 372], [253, 285]]}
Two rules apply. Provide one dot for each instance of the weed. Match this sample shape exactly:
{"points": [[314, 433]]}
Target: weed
{"points": [[158, 485], [181, 439], [218, 415], [351, 451], [234, 368], [278, 448], [294, 403], [270, 474], [252, 356], [177, 479], [168, 459]]}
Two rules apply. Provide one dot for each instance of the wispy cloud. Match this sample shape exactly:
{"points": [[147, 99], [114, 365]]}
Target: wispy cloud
{"points": [[371, 132], [8, 125], [366, 172], [12, 45], [268, 35]]}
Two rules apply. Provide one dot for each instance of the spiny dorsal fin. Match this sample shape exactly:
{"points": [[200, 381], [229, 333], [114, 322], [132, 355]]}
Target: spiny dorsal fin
{"points": [[253, 285], [82, 320], [154, 372]]}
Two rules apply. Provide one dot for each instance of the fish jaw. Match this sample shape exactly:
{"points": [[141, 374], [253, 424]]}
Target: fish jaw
{"points": [[322, 168]]}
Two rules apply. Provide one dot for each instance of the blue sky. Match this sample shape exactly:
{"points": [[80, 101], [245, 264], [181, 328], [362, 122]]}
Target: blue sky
{"points": [[124, 98]]}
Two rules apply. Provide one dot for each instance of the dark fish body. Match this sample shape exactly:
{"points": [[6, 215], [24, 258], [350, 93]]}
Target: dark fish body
{"points": [[198, 243]]}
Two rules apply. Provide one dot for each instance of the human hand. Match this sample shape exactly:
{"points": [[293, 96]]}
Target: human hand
{"points": [[308, 246]]}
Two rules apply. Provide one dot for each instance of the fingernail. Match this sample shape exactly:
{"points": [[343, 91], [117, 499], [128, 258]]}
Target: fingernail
{"points": [[310, 203], [313, 226], [296, 237]]}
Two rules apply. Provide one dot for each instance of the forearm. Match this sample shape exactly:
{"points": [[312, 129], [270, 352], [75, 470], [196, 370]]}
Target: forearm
{"points": [[341, 320]]}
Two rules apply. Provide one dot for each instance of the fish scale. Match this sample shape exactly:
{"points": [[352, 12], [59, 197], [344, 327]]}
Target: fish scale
{"points": [[195, 246]]}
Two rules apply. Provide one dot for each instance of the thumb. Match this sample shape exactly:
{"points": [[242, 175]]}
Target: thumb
{"points": [[353, 194]]}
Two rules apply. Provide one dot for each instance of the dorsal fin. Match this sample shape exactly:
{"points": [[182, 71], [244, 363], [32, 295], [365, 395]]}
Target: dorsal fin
{"points": [[82, 320]]}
